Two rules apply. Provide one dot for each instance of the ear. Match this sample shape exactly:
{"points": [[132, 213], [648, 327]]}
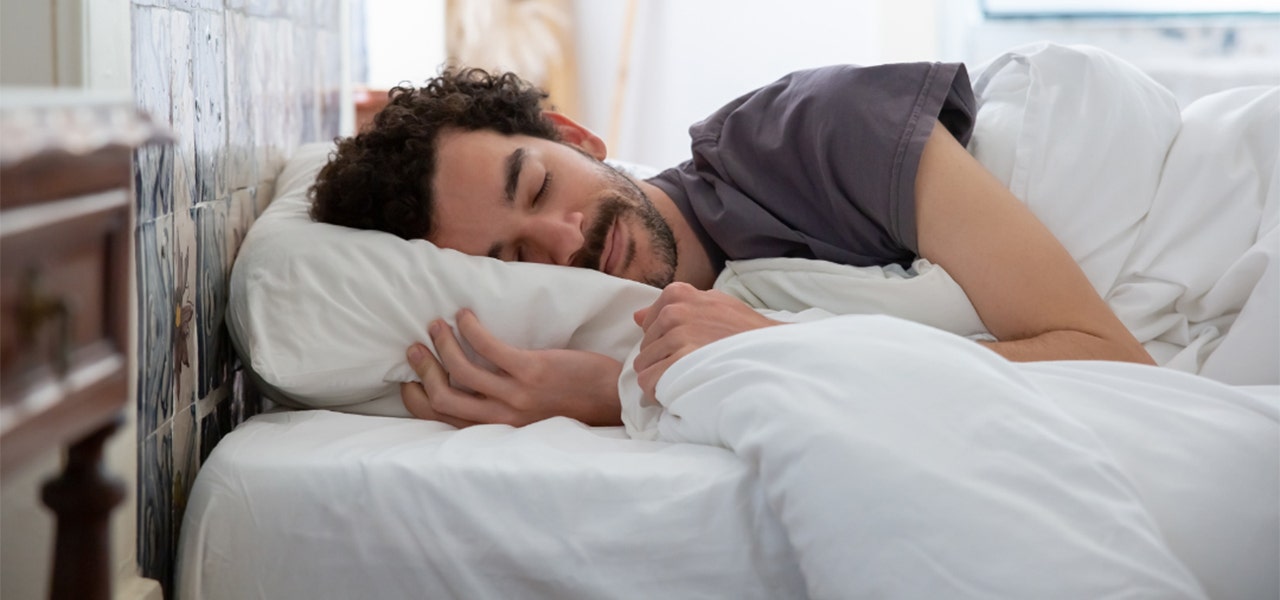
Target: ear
{"points": [[572, 133]]}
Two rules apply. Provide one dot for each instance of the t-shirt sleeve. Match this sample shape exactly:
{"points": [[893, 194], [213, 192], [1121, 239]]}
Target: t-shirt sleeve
{"points": [[822, 163]]}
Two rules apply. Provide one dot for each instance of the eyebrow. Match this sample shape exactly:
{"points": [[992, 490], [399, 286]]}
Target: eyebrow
{"points": [[515, 163]]}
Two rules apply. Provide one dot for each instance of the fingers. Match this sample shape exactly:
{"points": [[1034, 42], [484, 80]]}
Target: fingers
{"points": [[414, 395], [503, 356], [415, 399], [459, 365], [439, 397], [676, 292], [424, 363]]}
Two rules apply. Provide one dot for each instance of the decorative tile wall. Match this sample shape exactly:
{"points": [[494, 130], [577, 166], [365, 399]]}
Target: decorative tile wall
{"points": [[242, 83]]}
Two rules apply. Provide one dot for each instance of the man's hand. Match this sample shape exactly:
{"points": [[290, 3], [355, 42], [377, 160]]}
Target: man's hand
{"points": [[528, 386], [682, 320]]}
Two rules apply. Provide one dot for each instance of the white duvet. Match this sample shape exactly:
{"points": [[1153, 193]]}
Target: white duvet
{"points": [[908, 462]]}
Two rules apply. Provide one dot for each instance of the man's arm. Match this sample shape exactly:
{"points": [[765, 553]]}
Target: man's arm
{"points": [[1026, 288], [1029, 292]]}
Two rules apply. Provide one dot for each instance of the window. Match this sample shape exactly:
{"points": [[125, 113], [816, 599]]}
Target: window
{"points": [[1137, 8]]}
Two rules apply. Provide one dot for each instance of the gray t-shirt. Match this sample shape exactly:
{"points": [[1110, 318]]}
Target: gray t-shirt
{"points": [[819, 164]]}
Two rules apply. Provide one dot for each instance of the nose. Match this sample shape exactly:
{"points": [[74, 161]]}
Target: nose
{"points": [[554, 239]]}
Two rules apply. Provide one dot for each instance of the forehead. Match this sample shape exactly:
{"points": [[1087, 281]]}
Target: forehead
{"points": [[458, 148], [468, 187]]}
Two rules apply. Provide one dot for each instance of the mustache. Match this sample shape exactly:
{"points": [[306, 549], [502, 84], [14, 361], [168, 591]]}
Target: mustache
{"points": [[593, 247]]}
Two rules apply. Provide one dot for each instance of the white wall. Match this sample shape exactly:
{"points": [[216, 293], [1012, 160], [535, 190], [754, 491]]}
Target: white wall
{"points": [[689, 58], [405, 43], [26, 42]]}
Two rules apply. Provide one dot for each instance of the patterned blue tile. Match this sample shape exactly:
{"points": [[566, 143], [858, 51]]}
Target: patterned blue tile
{"points": [[298, 11], [259, 8], [151, 64], [209, 78], [299, 91], [242, 171], [152, 173], [329, 86], [247, 401], [213, 271], [182, 111], [212, 429], [241, 213], [185, 444], [243, 82], [266, 85], [259, 196], [156, 322], [326, 14], [156, 543], [153, 180], [192, 5]]}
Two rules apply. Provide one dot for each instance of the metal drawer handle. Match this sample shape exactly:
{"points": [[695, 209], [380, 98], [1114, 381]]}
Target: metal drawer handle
{"points": [[36, 310]]}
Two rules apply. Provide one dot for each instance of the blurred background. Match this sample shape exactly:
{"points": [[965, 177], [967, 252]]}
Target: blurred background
{"points": [[639, 72]]}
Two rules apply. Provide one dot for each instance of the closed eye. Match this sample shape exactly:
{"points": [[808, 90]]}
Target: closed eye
{"points": [[542, 191]]}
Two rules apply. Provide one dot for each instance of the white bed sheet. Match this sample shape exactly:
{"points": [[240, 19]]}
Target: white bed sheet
{"points": [[319, 504]]}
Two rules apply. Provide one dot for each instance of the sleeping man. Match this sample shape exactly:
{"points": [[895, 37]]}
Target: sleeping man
{"points": [[863, 166]]}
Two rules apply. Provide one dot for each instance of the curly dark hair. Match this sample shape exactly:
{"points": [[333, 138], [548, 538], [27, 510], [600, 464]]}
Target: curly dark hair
{"points": [[381, 177]]}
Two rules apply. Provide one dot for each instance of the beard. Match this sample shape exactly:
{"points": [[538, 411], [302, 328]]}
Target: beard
{"points": [[625, 200]]}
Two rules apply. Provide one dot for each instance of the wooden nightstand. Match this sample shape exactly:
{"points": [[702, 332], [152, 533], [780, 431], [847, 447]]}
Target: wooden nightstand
{"points": [[65, 202]]}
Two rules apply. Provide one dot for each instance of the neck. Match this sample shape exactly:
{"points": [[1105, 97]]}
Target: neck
{"points": [[693, 265]]}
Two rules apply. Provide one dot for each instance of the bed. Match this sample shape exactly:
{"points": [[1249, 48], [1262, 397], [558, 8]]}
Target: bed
{"points": [[871, 450]]}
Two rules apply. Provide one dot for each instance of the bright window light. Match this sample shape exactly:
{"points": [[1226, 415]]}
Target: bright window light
{"points": [[1046, 8]]}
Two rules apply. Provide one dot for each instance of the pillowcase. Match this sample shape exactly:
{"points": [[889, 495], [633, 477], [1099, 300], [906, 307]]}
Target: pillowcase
{"points": [[322, 315], [1080, 136]]}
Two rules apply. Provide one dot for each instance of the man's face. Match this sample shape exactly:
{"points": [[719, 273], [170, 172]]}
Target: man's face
{"points": [[521, 198]]}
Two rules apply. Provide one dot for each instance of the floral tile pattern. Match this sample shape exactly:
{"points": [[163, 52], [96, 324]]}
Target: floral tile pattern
{"points": [[241, 83]]}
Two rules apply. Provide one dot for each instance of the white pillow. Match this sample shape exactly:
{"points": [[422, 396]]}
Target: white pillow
{"points": [[321, 315], [1080, 136]]}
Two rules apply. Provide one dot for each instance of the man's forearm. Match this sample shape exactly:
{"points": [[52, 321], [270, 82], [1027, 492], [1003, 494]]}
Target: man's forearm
{"points": [[1070, 345]]}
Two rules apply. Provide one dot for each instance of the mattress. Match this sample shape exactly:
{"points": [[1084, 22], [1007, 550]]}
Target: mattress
{"points": [[318, 504]]}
